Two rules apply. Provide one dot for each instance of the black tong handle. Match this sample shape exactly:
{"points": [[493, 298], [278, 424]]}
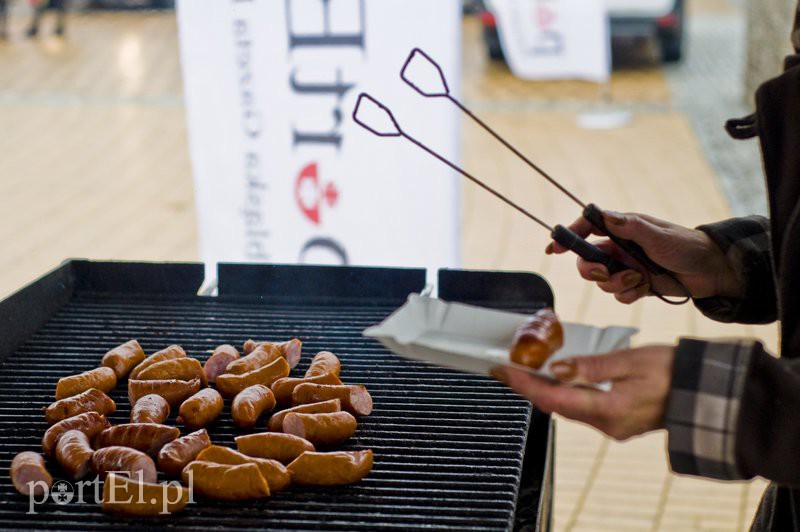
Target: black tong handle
{"points": [[572, 241], [594, 215]]}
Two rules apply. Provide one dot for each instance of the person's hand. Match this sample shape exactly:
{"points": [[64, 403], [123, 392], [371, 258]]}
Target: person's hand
{"points": [[695, 259], [636, 403]]}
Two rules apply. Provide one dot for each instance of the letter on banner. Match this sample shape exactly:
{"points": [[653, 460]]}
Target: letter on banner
{"points": [[282, 173], [554, 39]]}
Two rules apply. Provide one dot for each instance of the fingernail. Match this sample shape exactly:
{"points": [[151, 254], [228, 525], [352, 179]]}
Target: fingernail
{"points": [[631, 279], [598, 275], [564, 370], [499, 374], [549, 249], [615, 217]]}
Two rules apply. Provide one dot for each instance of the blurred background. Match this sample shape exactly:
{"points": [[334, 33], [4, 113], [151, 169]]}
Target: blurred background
{"points": [[95, 163]]}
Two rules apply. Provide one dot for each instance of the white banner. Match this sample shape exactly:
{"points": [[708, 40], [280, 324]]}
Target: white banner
{"points": [[282, 173], [554, 39]]}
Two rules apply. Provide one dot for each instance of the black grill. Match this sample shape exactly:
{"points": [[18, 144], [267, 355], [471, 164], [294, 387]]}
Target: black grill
{"points": [[449, 446]]}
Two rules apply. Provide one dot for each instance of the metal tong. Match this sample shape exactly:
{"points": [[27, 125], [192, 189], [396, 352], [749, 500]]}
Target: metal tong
{"points": [[559, 233]]}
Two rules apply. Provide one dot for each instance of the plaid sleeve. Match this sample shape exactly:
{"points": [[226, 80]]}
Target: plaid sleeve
{"points": [[746, 244], [703, 408]]}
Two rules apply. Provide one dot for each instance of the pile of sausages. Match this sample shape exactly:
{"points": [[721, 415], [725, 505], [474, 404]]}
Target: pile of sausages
{"points": [[317, 409]]}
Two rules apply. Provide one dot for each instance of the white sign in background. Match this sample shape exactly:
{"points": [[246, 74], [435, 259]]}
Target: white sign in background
{"points": [[554, 39], [282, 173]]}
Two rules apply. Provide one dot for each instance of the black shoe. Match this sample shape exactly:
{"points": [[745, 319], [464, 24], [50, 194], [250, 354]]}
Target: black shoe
{"points": [[60, 31], [32, 32]]}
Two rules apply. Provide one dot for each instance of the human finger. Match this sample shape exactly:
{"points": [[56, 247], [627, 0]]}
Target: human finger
{"points": [[597, 368], [572, 402], [634, 294], [582, 227]]}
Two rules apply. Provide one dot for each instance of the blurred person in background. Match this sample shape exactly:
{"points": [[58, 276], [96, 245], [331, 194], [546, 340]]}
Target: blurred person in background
{"points": [[3, 20], [40, 6], [731, 409]]}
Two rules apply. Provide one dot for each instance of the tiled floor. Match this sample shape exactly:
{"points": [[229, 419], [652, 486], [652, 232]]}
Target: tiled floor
{"points": [[94, 163]]}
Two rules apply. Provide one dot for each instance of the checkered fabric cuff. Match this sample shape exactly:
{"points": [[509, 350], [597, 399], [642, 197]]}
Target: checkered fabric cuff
{"points": [[703, 407], [746, 244]]}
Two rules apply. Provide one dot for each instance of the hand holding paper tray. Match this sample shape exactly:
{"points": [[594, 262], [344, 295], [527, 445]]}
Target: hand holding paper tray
{"points": [[476, 339]]}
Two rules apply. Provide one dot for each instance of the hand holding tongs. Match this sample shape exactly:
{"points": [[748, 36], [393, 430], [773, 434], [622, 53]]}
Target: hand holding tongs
{"points": [[564, 236]]}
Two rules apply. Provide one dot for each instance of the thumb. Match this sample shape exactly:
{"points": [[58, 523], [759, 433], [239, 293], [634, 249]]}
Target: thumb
{"points": [[596, 368], [638, 228]]}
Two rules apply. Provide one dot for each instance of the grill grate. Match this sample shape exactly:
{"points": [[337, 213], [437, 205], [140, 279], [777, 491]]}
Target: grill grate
{"points": [[448, 446]]}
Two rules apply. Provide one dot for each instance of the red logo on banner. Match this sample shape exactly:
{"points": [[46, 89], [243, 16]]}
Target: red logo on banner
{"points": [[310, 194]]}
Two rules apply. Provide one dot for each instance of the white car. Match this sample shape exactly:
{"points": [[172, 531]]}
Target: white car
{"points": [[662, 20]]}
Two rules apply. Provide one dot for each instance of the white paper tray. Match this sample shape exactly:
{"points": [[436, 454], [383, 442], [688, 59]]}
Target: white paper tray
{"points": [[476, 339]]}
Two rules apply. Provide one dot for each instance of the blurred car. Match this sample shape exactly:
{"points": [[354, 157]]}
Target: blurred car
{"points": [[660, 20]]}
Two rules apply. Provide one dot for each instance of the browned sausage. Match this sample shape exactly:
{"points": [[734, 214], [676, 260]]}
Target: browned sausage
{"points": [[174, 456], [123, 358], [229, 385], [200, 409], [322, 363], [151, 408], [250, 403], [29, 475], [226, 482], [274, 472], [355, 398], [330, 469], [537, 339], [321, 429], [273, 445], [219, 360], [126, 496], [183, 369], [90, 423], [261, 356], [275, 423], [74, 453], [146, 437], [290, 350], [118, 459], [103, 379], [283, 388], [170, 353], [173, 391], [92, 400]]}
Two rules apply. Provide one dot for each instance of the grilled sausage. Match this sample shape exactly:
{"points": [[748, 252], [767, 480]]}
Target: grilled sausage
{"points": [[174, 456], [173, 391], [283, 388], [29, 475], [537, 339], [355, 398], [290, 350], [250, 403], [200, 409], [273, 445], [74, 453], [274, 472], [321, 429], [146, 437], [92, 400], [169, 353], [226, 482], [261, 356], [183, 369], [126, 496], [219, 360], [90, 423], [230, 385], [138, 465], [151, 408], [103, 379], [322, 363], [330, 469], [275, 423], [123, 358]]}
